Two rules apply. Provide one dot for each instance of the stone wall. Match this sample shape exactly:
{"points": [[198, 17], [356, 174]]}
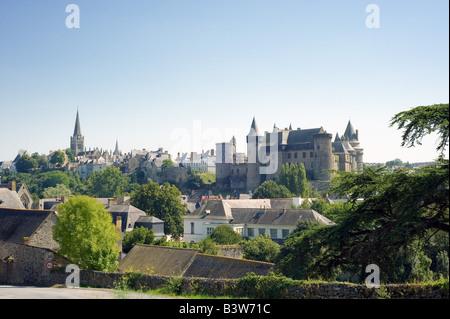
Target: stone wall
{"points": [[27, 266]]}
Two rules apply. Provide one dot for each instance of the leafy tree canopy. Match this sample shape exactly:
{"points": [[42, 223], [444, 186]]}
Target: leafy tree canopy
{"points": [[225, 235], [26, 164], [140, 235], [164, 203], [108, 182], [293, 177], [261, 248], [86, 234], [270, 189], [389, 214], [423, 120]]}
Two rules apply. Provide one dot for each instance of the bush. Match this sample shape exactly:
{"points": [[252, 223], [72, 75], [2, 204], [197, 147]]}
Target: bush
{"points": [[140, 235], [261, 248], [225, 235], [264, 287]]}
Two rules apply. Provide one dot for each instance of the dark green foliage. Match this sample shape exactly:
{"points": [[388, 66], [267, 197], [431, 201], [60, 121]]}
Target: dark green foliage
{"points": [[263, 287], [108, 182], [261, 248], [26, 164], [163, 202], [422, 120], [293, 177], [270, 189], [394, 226], [140, 235]]}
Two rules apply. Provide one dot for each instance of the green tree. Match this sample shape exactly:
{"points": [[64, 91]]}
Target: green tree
{"points": [[261, 248], [140, 235], [167, 163], [26, 164], [225, 235], [58, 158], [270, 189], [108, 182], [70, 155], [423, 120], [86, 234], [164, 203], [57, 191], [51, 179], [208, 246], [293, 177], [398, 210], [395, 162], [194, 181], [41, 160]]}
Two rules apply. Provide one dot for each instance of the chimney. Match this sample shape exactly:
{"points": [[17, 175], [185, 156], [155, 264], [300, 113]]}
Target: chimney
{"points": [[212, 152], [12, 186], [26, 240], [112, 201], [119, 230]]}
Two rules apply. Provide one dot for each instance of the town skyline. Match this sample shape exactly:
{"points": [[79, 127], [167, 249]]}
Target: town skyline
{"points": [[184, 76]]}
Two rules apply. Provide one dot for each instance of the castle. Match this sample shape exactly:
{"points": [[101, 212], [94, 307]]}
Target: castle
{"points": [[267, 154]]}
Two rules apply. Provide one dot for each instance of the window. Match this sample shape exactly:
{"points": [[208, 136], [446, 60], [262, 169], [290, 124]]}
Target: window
{"points": [[250, 232], [209, 230], [192, 228], [311, 154], [273, 233], [284, 233], [304, 154], [261, 231], [295, 155], [289, 155]]}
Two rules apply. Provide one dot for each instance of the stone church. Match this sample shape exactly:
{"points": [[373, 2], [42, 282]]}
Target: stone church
{"points": [[82, 153], [266, 154]]}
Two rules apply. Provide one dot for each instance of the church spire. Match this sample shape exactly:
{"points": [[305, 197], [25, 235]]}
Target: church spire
{"points": [[116, 151], [77, 130]]}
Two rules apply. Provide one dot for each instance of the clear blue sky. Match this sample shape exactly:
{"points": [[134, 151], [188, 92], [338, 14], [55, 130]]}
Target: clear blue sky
{"points": [[185, 74]]}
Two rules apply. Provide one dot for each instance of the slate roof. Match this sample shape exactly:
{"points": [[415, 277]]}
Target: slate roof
{"points": [[221, 209], [10, 199], [18, 223], [277, 217], [128, 213], [209, 266], [303, 136], [159, 260], [170, 261]]}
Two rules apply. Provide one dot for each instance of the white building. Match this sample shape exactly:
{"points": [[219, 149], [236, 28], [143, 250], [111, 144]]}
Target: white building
{"points": [[202, 163], [248, 217]]}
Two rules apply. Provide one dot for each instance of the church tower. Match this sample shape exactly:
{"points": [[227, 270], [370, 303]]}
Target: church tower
{"points": [[77, 140]]}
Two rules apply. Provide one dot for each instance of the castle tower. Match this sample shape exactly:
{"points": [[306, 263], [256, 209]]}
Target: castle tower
{"points": [[324, 158], [77, 140], [253, 164], [352, 136]]}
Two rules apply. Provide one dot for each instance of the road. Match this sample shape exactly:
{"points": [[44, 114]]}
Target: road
{"points": [[27, 292]]}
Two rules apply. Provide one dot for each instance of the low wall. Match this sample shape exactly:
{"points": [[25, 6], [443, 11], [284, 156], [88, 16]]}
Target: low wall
{"points": [[231, 287], [26, 266]]}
